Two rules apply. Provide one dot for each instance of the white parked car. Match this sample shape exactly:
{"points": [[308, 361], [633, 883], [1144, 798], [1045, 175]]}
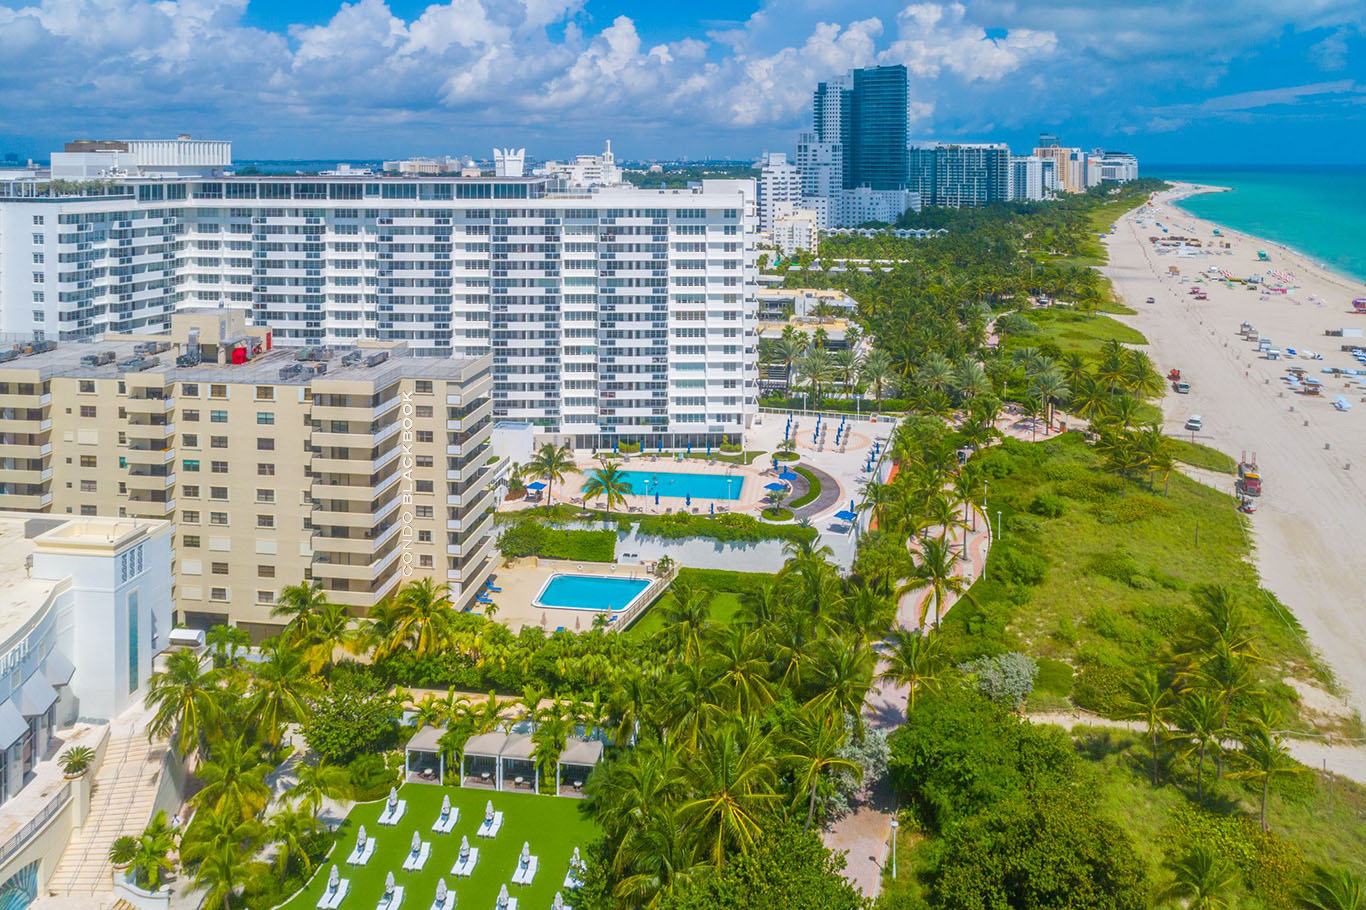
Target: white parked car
{"points": [[1194, 422]]}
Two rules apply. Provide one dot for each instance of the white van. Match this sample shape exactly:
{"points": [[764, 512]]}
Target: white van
{"points": [[1194, 422]]}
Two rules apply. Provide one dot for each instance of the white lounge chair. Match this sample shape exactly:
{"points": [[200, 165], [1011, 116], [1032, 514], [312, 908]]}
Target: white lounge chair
{"points": [[447, 904], [491, 828], [391, 814], [391, 902], [359, 857], [331, 901], [466, 869], [447, 824], [525, 875], [414, 862]]}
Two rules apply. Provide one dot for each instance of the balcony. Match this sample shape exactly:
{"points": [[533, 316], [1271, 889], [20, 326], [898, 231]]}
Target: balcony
{"points": [[148, 405], [470, 575], [323, 490], [472, 418], [472, 550], [25, 502], [26, 401], [146, 455], [145, 481]]}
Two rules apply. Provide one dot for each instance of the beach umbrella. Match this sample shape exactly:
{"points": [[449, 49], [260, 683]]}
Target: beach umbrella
{"points": [[441, 891], [775, 486], [787, 475], [689, 448], [417, 842], [361, 838], [687, 499], [656, 495], [712, 506], [614, 447], [536, 485], [389, 883], [847, 514], [333, 879], [660, 445], [393, 797], [708, 447]]}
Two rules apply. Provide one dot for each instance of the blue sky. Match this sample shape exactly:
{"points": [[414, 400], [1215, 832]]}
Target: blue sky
{"points": [[1258, 81]]}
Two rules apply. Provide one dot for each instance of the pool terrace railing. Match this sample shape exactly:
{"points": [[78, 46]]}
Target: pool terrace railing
{"points": [[616, 570], [639, 605]]}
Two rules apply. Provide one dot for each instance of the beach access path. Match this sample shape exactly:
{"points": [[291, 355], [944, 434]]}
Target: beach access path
{"points": [[1312, 458]]}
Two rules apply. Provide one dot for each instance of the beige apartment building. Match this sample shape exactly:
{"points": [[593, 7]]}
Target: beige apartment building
{"points": [[358, 467]]}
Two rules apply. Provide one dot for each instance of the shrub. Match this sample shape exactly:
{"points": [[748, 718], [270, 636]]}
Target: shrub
{"points": [[370, 777], [587, 546], [526, 538], [1101, 689], [357, 715], [1115, 565], [76, 760], [1055, 677], [1048, 505], [1009, 563], [1006, 679]]}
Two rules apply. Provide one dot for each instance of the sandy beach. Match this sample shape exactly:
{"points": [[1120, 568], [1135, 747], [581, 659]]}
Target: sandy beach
{"points": [[1307, 523]]}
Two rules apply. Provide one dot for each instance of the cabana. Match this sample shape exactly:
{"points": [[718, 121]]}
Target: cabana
{"points": [[486, 746], [424, 762], [581, 755], [518, 748]]}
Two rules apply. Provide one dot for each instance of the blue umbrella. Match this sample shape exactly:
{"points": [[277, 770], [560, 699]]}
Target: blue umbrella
{"points": [[775, 486], [614, 447], [687, 499], [660, 447], [713, 508], [690, 448], [845, 515], [535, 485], [708, 447], [656, 495], [787, 475]]}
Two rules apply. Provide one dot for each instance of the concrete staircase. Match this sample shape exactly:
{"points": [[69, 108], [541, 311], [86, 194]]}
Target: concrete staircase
{"points": [[121, 801]]}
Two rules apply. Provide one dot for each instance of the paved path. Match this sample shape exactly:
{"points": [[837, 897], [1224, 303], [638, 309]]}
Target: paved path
{"points": [[829, 495]]}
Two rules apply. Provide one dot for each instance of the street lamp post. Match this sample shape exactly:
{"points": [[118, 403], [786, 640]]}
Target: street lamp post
{"points": [[895, 824]]}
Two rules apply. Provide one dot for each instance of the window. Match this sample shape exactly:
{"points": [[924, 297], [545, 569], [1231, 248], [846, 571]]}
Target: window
{"points": [[265, 470], [191, 517], [87, 486], [37, 219], [425, 561], [87, 410], [218, 442], [190, 415], [190, 389], [424, 435], [265, 418], [87, 461], [424, 410], [265, 571], [190, 464], [219, 467], [220, 594], [190, 540], [190, 440], [265, 495], [133, 641], [424, 486], [218, 492], [218, 518], [87, 510], [218, 391], [218, 416], [218, 568], [265, 445], [265, 393], [38, 239], [265, 521], [425, 511], [424, 386], [265, 597], [87, 387], [191, 490], [424, 536], [424, 461]]}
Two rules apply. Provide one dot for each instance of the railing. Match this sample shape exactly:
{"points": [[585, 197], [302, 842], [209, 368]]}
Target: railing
{"points": [[866, 416], [638, 606], [35, 824]]}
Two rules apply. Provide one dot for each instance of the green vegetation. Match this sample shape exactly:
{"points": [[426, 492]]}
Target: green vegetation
{"points": [[1203, 457], [726, 527], [813, 489], [1070, 331], [531, 538], [677, 177]]}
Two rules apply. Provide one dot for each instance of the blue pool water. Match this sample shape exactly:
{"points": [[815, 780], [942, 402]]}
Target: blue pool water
{"points": [[590, 592], [676, 485]]}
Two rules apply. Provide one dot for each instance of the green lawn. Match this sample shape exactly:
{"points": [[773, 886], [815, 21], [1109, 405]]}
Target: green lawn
{"points": [[552, 825], [1073, 332], [1201, 456], [723, 609]]}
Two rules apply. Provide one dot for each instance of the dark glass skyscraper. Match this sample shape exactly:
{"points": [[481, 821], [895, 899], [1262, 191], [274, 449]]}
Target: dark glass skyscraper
{"points": [[877, 126]]}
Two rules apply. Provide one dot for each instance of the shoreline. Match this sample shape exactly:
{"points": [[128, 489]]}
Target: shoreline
{"points": [[1202, 189], [1304, 526]]}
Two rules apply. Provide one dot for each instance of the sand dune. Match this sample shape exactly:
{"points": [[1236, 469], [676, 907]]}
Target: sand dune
{"points": [[1310, 527]]}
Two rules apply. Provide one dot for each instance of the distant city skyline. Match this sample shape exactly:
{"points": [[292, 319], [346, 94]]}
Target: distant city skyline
{"points": [[1241, 83]]}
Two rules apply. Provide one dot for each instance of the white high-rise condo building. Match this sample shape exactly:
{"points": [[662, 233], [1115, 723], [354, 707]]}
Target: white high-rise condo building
{"points": [[615, 315], [1027, 178], [780, 188], [1113, 167]]}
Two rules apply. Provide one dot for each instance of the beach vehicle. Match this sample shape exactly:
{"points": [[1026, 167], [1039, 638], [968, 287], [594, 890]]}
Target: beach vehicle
{"points": [[1173, 374], [1273, 354], [1152, 300], [1182, 388], [1342, 404], [1359, 305], [1262, 256], [1202, 296], [1249, 481], [1246, 505], [1194, 422]]}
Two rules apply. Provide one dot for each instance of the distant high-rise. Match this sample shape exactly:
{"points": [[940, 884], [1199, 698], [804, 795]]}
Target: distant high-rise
{"points": [[780, 188], [959, 174], [1048, 141], [877, 128]]}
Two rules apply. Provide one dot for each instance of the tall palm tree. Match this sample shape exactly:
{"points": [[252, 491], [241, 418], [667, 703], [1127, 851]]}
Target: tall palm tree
{"points": [[1158, 453], [234, 780], [281, 687], [551, 462], [608, 482], [916, 661], [935, 568], [324, 632], [877, 372], [935, 373], [790, 349], [299, 603], [734, 789], [289, 829], [817, 368], [222, 874], [1089, 398], [1149, 701], [228, 644], [422, 619], [815, 749], [1199, 717], [1052, 390], [184, 697], [843, 675], [848, 365], [317, 781], [656, 856], [1336, 889], [1203, 880], [739, 664], [1264, 759]]}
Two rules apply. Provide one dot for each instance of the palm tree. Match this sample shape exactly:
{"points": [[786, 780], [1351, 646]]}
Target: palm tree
{"points": [[147, 856], [935, 568], [936, 373], [317, 781], [185, 700], [1052, 390], [816, 749], [222, 873], [1199, 717], [654, 857], [608, 482], [290, 829], [1334, 890], [876, 372], [551, 462], [739, 662], [421, 618], [234, 780], [1150, 702], [848, 365], [300, 602], [915, 661], [210, 831], [734, 790], [1264, 759], [843, 675], [789, 350], [1089, 398], [324, 632], [227, 643], [1203, 879], [1158, 453], [817, 368], [549, 738], [281, 687]]}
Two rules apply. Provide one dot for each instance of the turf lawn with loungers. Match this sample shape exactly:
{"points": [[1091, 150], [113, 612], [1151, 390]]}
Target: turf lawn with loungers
{"points": [[553, 826]]}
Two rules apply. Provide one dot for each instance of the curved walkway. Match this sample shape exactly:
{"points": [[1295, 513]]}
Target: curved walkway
{"points": [[829, 495]]}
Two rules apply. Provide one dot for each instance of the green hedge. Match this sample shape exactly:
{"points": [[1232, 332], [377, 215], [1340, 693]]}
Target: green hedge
{"points": [[729, 527], [726, 580], [531, 538], [811, 493], [843, 405]]}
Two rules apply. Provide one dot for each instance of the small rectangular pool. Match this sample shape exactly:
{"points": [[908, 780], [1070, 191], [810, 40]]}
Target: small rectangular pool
{"points": [[680, 485], [599, 593]]}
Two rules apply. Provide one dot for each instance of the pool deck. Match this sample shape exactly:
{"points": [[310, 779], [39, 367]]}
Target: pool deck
{"points": [[522, 579], [751, 498]]}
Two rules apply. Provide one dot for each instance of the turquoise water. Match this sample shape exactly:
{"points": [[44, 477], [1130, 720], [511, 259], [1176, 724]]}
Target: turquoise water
{"points": [[590, 592], [679, 485], [1319, 212]]}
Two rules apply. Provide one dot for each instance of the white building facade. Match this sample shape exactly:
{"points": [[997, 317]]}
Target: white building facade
{"points": [[780, 188], [585, 171], [619, 314], [796, 230]]}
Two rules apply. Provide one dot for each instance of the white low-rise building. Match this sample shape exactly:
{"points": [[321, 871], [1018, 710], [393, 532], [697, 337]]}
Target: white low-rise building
{"points": [[87, 159], [585, 171]]}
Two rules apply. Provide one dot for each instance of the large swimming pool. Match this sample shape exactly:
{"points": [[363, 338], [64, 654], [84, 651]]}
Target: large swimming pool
{"points": [[590, 592], [680, 485]]}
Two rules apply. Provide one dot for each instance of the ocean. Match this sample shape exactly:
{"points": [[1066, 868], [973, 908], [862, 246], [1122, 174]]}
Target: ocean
{"points": [[1321, 212]]}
